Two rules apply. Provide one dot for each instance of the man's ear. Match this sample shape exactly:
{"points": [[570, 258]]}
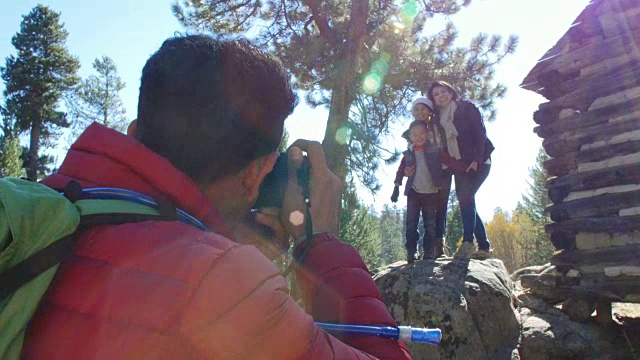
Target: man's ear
{"points": [[132, 129], [255, 172]]}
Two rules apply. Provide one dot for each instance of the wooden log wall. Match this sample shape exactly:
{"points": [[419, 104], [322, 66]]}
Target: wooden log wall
{"points": [[591, 130]]}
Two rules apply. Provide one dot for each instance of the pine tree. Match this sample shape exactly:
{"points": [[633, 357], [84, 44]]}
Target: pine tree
{"points": [[362, 59], [391, 222], [284, 142], [532, 206], [97, 99], [454, 223], [10, 151], [37, 78], [359, 227]]}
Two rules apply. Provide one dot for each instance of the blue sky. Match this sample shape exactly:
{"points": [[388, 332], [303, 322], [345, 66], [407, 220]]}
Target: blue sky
{"points": [[130, 31]]}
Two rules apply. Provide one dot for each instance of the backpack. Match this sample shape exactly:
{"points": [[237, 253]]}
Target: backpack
{"points": [[37, 228]]}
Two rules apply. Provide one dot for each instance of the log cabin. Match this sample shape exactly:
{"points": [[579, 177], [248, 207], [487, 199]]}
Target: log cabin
{"points": [[590, 128]]}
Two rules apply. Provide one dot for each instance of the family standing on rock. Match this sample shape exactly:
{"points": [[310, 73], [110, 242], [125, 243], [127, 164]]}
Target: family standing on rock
{"points": [[445, 140]]}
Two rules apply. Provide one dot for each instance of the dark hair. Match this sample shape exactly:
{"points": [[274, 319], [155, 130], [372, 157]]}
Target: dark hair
{"points": [[443, 84], [416, 123], [212, 105]]}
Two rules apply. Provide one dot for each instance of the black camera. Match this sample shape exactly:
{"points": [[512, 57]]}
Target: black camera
{"points": [[274, 185]]}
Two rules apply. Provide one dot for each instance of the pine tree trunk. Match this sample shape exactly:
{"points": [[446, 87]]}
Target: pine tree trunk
{"points": [[343, 92], [34, 147]]}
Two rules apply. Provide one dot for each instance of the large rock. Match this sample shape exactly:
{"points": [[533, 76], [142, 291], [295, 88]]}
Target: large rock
{"points": [[470, 301], [548, 333]]}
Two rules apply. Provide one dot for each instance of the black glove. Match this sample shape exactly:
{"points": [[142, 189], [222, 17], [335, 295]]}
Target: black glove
{"points": [[396, 192]]}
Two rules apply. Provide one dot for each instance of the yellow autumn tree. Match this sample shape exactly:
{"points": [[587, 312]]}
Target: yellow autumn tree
{"points": [[510, 235]]}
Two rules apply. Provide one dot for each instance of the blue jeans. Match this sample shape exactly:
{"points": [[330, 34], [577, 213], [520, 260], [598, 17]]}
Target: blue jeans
{"points": [[443, 202], [467, 184], [427, 204]]}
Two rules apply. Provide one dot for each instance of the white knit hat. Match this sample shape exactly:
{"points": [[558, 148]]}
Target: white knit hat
{"points": [[423, 100]]}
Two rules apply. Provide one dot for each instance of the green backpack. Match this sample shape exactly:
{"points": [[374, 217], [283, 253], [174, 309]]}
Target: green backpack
{"points": [[37, 228]]}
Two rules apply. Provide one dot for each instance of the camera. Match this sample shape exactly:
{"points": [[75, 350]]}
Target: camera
{"points": [[274, 185]]}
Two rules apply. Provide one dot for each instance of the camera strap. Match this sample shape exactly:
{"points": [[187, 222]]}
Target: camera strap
{"points": [[303, 181]]}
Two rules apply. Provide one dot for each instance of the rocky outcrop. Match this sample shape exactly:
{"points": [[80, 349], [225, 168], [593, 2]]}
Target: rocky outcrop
{"points": [[471, 301], [549, 333]]}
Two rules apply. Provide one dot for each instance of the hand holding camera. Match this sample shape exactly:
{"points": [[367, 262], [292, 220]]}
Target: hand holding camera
{"points": [[294, 179], [325, 192]]}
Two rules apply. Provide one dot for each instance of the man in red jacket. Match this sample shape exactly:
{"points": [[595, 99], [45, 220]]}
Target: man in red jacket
{"points": [[210, 117]]}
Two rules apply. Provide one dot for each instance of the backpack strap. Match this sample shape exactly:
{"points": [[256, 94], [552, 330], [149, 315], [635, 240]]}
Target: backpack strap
{"points": [[28, 269], [18, 275]]}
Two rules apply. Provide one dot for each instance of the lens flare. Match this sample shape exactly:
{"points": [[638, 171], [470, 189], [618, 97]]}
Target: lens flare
{"points": [[372, 83], [380, 67], [296, 218], [410, 9], [343, 135]]}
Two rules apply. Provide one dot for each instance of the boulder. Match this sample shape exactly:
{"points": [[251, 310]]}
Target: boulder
{"points": [[471, 301], [549, 333]]}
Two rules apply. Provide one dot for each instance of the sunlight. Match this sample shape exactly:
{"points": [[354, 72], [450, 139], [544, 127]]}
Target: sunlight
{"points": [[343, 135], [372, 83]]}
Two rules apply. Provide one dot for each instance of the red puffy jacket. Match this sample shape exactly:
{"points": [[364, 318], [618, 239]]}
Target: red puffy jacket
{"points": [[168, 290]]}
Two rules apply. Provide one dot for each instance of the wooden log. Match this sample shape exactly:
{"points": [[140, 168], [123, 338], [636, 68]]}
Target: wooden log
{"points": [[603, 83], [608, 65], [567, 62], [625, 19], [560, 187], [579, 308], [546, 114], [543, 131], [597, 206], [614, 162], [598, 21], [619, 289], [616, 189], [608, 224], [607, 152], [582, 97], [559, 145], [622, 270], [554, 79], [564, 165], [592, 241], [610, 270], [629, 105], [563, 239], [630, 111], [629, 255], [604, 315]]}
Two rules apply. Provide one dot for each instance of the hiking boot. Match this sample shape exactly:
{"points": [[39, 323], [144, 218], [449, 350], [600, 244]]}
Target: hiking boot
{"points": [[465, 250], [482, 254], [438, 251]]}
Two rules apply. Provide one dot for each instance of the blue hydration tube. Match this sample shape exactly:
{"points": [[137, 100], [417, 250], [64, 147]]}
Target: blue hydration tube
{"points": [[400, 333], [138, 198]]}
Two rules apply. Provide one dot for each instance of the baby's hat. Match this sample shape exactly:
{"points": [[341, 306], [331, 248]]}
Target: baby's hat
{"points": [[422, 100]]}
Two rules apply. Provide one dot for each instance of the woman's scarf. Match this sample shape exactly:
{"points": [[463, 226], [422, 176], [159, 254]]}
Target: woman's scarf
{"points": [[446, 120]]}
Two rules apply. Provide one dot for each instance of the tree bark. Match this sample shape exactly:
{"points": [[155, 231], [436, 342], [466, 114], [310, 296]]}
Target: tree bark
{"points": [[343, 91], [34, 147]]}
